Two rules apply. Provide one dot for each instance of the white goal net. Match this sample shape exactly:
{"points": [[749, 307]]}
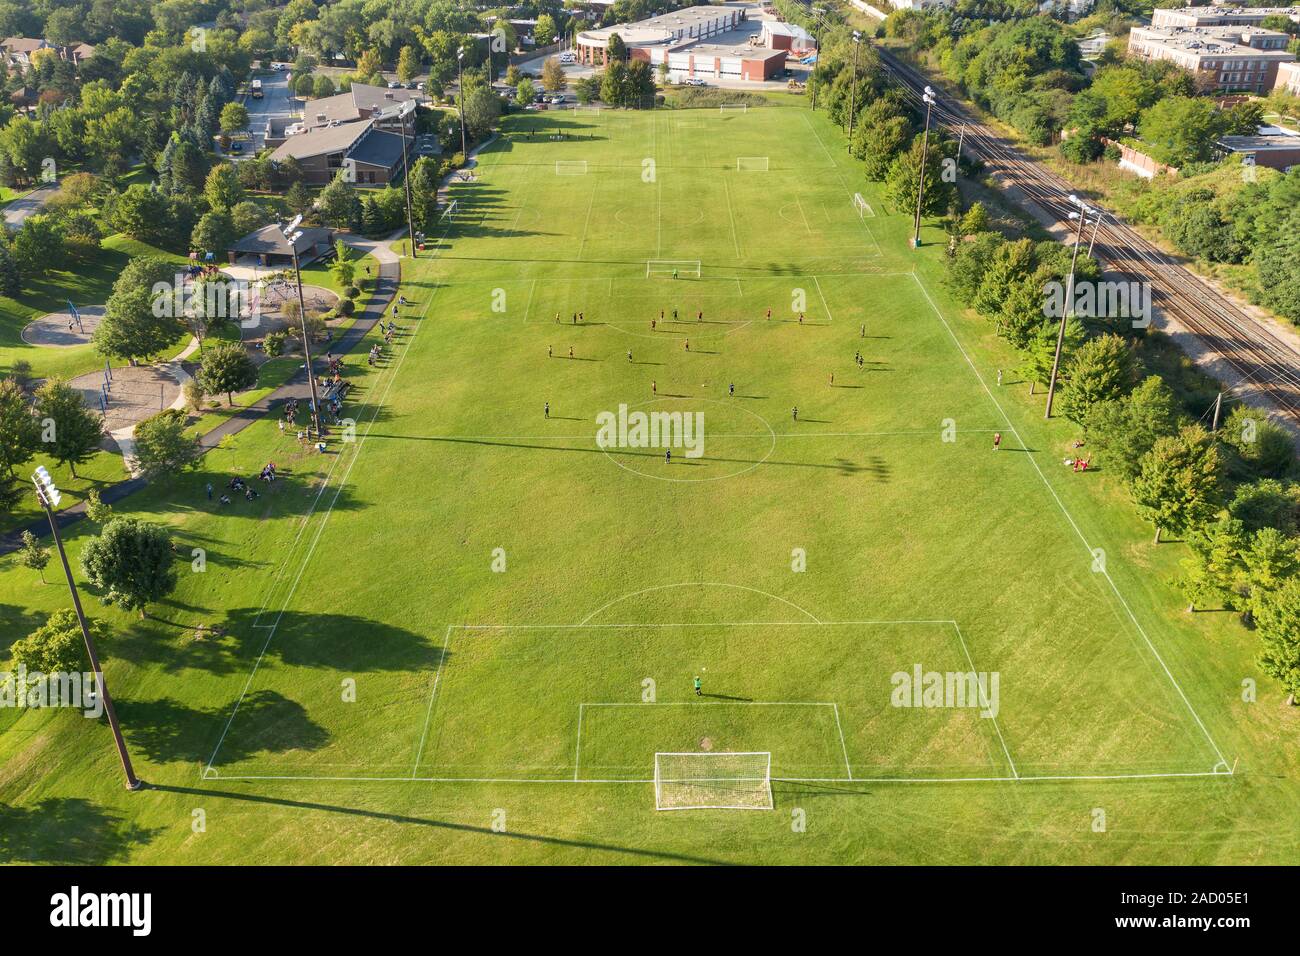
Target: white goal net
{"points": [[570, 167], [733, 108], [861, 206], [751, 164], [672, 268], [449, 214], [713, 781]]}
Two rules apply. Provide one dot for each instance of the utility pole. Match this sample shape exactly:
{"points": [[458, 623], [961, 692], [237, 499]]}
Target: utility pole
{"points": [[853, 94], [1218, 411], [1068, 307], [406, 177], [1095, 228], [928, 96], [292, 234], [48, 495], [460, 89]]}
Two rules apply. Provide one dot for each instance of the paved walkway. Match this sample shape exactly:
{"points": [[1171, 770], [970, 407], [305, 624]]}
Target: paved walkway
{"points": [[20, 210], [385, 290]]}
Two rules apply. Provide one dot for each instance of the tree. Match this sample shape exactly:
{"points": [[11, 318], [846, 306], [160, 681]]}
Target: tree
{"points": [[525, 92], [424, 193], [96, 510], [139, 318], [299, 198], [161, 445], [1278, 624], [19, 438], [1009, 264], [1040, 350], [1214, 566], [339, 204], [1181, 129], [214, 233], [57, 646], [343, 267], [1102, 368], [222, 189], [32, 555], [131, 562], [234, 116], [10, 280], [545, 32], [322, 86], [1266, 504], [1268, 561], [1124, 429], [39, 246], [1178, 482], [975, 220], [482, 106], [227, 368], [71, 431], [1258, 446], [303, 85], [552, 74], [615, 49], [248, 216], [369, 63], [408, 64]]}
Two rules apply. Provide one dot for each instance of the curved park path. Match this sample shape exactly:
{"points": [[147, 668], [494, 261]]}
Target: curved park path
{"points": [[385, 290]]}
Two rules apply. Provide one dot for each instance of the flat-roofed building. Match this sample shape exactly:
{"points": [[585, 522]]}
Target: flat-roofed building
{"points": [[1288, 78], [1220, 16], [668, 29], [1225, 57]]}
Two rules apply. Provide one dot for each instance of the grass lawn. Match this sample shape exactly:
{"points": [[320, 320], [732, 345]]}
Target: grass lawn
{"points": [[84, 282], [471, 605]]}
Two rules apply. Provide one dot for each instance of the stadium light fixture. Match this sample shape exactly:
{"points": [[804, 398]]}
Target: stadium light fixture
{"points": [[47, 493], [292, 234], [929, 98]]}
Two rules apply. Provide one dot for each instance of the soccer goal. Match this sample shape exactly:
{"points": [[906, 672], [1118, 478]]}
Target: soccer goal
{"points": [[570, 167], [861, 206], [673, 268], [733, 108], [713, 781], [751, 164], [449, 214]]}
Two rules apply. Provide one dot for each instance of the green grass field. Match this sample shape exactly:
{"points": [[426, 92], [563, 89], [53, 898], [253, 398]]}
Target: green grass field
{"points": [[473, 608]]}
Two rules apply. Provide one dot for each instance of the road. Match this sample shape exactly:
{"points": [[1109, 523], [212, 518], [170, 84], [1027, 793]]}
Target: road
{"points": [[1261, 364], [276, 107], [18, 211]]}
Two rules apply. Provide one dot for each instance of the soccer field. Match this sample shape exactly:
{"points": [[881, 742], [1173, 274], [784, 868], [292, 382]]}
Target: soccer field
{"points": [[537, 602]]}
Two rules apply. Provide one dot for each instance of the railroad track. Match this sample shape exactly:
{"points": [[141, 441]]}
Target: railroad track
{"points": [[1262, 362]]}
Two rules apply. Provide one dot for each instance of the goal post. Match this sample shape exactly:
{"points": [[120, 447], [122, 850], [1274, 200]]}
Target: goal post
{"points": [[733, 108], [861, 206], [672, 268], [449, 213], [713, 781], [752, 164], [570, 167]]}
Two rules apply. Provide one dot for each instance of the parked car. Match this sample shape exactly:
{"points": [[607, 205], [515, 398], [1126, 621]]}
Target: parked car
{"points": [[236, 147], [568, 58], [556, 100]]}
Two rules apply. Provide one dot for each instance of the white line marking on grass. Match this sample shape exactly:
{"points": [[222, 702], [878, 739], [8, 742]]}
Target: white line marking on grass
{"points": [[532, 288], [1070, 518], [731, 216], [586, 222], [825, 304], [983, 700], [324, 522], [433, 693], [692, 584], [577, 750], [844, 748]]}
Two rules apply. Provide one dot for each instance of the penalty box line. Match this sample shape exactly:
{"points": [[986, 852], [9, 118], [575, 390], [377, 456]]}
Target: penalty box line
{"points": [[835, 708]]}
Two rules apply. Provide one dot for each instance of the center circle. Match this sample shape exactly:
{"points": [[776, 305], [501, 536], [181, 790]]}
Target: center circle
{"points": [[731, 439]]}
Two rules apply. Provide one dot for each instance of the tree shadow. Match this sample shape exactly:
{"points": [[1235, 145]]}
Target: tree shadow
{"points": [[167, 731], [67, 831]]}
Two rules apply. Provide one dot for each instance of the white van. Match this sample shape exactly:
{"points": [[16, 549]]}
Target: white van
{"points": [[568, 58]]}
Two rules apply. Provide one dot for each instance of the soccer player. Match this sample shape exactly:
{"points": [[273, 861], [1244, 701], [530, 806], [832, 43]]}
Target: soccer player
{"points": [[997, 440], [570, 351], [731, 389], [769, 312], [795, 412], [699, 687], [832, 378], [546, 410], [654, 387], [550, 351], [629, 355], [688, 344], [668, 456]]}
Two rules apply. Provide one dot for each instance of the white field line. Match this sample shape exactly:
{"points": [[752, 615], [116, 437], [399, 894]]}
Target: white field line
{"points": [[844, 747], [532, 288], [433, 693], [825, 305], [577, 749], [910, 433], [1057, 778], [731, 216], [321, 528], [983, 702], [586, 222], [688, 584], [1070, 518]]}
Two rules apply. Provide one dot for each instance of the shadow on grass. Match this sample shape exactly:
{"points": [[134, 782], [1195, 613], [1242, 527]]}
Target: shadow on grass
{"points": [[510, 836], [67, 831]]}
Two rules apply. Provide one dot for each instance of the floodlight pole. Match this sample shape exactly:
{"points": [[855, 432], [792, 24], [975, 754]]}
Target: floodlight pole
{"points": [[1068, 306], [406, 181], [460, 90], [306, 343], [928, 96], [853, 89], [1095, 228], [101, 686]]}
